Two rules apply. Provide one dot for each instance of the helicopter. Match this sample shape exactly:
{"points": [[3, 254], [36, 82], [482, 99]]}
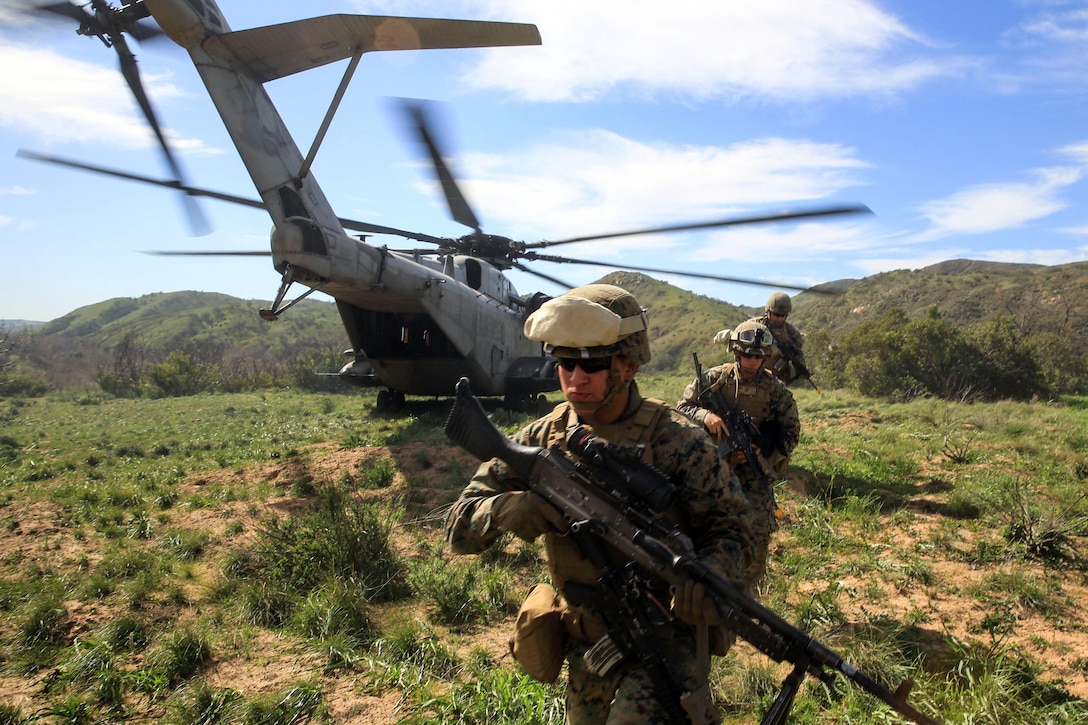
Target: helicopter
{"points": [[418, 320]]}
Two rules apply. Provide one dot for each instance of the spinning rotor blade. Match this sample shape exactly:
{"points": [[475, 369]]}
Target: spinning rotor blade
{"points": [[110, 25], [553, 280], [194, 191], [734, 221], [696, 275], [197, 223], [458, 204]]}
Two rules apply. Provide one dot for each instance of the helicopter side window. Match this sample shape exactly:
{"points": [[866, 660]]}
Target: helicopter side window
{"points": [[473, 273]]}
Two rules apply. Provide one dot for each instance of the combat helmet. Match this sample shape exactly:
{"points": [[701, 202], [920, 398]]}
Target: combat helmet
{"points": [[779, 303], [751, 338], [595, 320]]}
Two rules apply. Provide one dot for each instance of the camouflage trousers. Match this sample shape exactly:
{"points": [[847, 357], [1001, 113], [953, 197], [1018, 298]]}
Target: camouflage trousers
{"points": [[626, 696], [764, 518]]}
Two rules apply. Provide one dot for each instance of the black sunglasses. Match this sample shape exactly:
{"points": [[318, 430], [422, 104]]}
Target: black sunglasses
{"points": [[589, 365]]}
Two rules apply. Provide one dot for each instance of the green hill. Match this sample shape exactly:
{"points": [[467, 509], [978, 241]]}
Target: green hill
{"points": [[1038, 298], [172, 320]]}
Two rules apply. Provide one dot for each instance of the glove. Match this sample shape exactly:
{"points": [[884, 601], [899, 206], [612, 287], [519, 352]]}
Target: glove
{"points": [[525, 515], [689, 603]]}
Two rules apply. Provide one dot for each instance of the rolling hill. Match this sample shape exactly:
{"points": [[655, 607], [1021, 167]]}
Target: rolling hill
{"points": [[1038, 298]]}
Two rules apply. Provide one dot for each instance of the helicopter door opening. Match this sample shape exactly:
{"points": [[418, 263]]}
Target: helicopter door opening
{"points": [[395, 335]]}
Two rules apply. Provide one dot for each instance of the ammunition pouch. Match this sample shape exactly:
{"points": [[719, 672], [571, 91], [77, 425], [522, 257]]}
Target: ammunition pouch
{"points": [[539, 642]]}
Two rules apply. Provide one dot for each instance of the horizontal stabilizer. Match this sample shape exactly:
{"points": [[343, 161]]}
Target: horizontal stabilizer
{"points": [[276, 51]]}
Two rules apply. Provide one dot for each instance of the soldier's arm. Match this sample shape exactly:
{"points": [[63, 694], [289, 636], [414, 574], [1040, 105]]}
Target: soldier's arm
{"points": [[470, 525], [689, 401], [785, 409]]}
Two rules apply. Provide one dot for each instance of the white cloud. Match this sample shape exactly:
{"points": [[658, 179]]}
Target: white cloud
{"points": [[777, 49], [60, 99], [993, 207], [16, 191], [599, 181]]}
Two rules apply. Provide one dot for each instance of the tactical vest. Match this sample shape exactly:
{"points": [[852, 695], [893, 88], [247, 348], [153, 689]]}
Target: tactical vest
{"points": [[565, 560], [634, 430]]}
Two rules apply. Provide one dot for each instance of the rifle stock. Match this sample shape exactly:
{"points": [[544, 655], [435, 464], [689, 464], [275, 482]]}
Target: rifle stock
{"points": [[648, 539]]}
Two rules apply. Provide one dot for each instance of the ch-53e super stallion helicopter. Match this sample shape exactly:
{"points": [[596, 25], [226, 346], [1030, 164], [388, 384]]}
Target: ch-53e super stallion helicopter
{"points": [[418, 320]]}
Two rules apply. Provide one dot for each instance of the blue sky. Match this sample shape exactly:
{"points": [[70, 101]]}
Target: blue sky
{"points": [[962, 125]]}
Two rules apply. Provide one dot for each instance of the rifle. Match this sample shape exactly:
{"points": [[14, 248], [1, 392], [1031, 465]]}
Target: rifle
{"points": [[606, 497], [739, 426], [792, 354]]}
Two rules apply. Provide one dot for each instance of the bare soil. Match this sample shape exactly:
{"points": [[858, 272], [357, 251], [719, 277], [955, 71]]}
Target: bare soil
{"points": [[428, 479]]}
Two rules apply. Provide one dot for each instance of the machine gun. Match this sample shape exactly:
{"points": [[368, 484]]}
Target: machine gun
{"points": [[739, 426], [792, 355], [620, 502]]}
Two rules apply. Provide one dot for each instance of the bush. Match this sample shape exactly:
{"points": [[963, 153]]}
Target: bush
{"points": [[18, 385], [902, 359], [340, 537], [180, 375]]}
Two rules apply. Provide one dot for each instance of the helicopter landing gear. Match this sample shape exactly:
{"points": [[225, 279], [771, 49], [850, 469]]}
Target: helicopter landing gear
{"points": [[524, 402], [389, 401]]}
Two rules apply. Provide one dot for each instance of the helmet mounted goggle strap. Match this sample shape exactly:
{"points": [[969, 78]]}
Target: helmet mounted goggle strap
{"points": [[753, 335]]}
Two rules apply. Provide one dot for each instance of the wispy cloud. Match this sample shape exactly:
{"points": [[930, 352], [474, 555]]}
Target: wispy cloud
{"points": [[778, 49], [994, 207], [59, 99], [598, 181], [16, 191]]}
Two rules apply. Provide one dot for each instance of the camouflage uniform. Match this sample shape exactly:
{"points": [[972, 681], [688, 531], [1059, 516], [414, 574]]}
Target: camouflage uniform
{"points": [[772, 408], [709, 508], [788, 334]]}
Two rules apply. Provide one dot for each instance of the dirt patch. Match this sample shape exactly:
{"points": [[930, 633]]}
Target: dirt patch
{"points": [[426, 480]]}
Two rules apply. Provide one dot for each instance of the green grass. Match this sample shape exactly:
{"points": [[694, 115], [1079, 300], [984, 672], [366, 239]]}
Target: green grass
{"points": [[146, 540]]}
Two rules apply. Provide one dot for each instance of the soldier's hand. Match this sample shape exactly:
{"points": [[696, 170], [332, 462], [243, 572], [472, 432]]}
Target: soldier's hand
{"points": [[690, 604], [525, 514], [714, 425]]}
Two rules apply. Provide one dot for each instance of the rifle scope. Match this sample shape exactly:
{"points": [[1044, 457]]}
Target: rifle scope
{"points": [[623, 468]]}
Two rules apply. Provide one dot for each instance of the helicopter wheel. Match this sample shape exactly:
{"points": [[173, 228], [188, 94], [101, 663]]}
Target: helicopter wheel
{"points": [[384, 402], [518, 402]]}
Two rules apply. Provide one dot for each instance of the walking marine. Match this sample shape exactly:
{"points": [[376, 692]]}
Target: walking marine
{"points": [[745, 389], [598, 333]]}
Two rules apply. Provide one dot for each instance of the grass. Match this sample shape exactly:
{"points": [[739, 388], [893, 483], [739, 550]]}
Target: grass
{"points": [[151, 543]]}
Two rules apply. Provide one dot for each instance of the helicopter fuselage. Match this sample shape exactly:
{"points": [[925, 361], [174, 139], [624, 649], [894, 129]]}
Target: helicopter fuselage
{"points": [[420, 321]]}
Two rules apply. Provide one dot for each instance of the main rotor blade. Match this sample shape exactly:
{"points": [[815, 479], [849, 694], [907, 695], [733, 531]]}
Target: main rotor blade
{"points": [[197, 222], [696, 275], [734, 221], [65, 9], [351, 224], [225, 253], [554, 280], [459, 207], [176, 185]]}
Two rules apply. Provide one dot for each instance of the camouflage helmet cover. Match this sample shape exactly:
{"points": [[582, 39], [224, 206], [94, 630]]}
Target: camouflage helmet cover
{"points": [[595, 320], [779, 303], [751, 338]]}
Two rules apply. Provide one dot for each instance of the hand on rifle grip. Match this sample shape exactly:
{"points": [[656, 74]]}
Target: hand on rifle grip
{"points": [[690, 604], [525, 514]]}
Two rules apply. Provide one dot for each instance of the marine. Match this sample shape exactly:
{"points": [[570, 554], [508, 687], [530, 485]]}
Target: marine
{"points": [[599, 335], [746, 384]]}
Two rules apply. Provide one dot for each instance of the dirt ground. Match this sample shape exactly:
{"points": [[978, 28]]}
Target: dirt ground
{"points": [[271, 661]]}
